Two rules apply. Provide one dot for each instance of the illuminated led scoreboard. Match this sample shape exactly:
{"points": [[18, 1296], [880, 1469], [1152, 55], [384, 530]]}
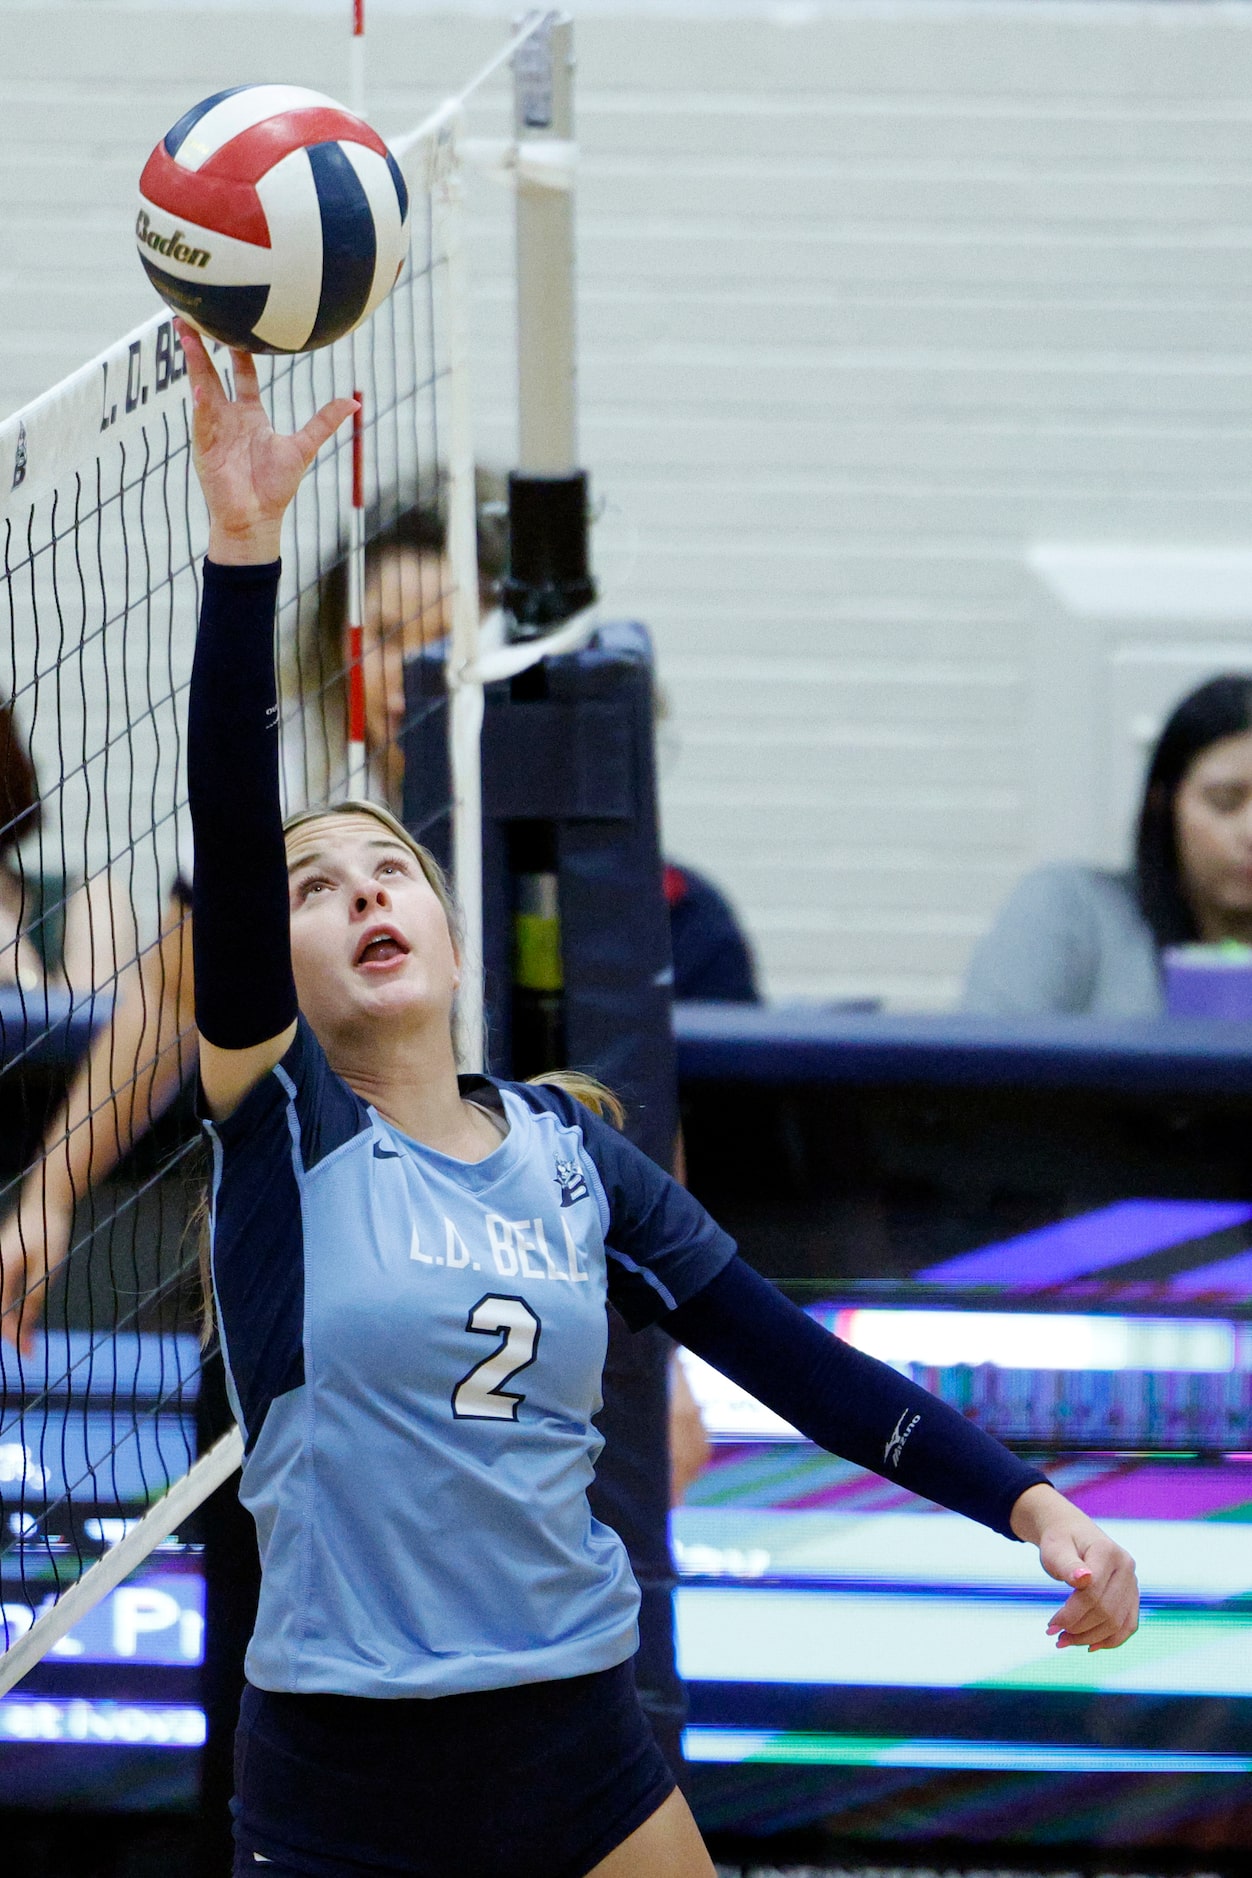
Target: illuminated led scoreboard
{"points": [[111, 1716], [1050, 1227], [816, 1597]]}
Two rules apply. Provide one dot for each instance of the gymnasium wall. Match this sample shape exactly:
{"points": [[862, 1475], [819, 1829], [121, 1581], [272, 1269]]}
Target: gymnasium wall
{"points": [[916, 385]]}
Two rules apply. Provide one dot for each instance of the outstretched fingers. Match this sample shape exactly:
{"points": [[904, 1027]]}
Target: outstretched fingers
{"points": [[247, 384], [206, 386], [249, 473], [321, 425]]}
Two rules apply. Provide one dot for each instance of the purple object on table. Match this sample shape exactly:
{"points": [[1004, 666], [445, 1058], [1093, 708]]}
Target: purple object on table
{"points": [[1209, 981]]}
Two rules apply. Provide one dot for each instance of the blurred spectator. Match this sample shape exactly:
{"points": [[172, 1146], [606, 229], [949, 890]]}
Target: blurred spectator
{"points": [[408, 597], [135, 1067], [52, 932], [20, 962], [409, 589], [1085, 939], [712, 958], [138, 1062]]}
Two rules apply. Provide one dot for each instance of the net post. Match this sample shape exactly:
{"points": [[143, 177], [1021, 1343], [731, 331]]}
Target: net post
{"points": [[465, 690], [549, 576], [547, 413]]}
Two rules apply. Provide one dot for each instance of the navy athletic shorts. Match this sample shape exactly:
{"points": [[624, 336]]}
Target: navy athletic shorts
{"points": [[541, 1781]]}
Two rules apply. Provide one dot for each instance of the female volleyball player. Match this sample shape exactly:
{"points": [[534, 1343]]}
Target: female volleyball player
{"points": [[410, 1273]]}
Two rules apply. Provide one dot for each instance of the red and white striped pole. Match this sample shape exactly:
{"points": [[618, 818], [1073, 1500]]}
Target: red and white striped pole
{"points": [[358, 763], [358, 766], [356, 96]]}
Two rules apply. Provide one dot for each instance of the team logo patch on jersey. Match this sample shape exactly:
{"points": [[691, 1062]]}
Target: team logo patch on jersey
{"points": [[569, 1178]]}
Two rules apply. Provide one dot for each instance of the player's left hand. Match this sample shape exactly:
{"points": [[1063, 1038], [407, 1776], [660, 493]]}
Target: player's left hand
{"points": [[1102, 1609]]}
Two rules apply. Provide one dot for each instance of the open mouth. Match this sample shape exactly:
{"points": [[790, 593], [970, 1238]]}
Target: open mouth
{"points": [[380, 947]]}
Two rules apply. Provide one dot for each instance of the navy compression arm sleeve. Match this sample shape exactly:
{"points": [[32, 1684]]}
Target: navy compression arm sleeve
{"points": [[846, 1401], [245, 992]]}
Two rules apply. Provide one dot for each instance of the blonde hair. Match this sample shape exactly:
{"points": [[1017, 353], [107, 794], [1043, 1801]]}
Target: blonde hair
{"points": [[589, 1090]]}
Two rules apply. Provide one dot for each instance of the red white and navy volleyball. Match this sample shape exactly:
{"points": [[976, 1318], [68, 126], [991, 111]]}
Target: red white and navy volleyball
{"points": [[272, 219]]}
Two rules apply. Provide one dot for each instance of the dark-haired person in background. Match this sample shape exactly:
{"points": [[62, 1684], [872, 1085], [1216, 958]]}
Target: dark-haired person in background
{"points": [[1086, 939], [52, 931], [409, 591]]}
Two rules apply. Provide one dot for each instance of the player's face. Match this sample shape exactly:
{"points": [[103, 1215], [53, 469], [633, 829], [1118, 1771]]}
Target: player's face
{"points": [[408, 605], [1213, 826], [369, 935]]}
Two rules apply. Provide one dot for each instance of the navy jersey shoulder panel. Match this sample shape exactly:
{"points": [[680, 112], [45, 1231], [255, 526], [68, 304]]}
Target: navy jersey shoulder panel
{"points": [[328, 1113], [662, 1246], [294, 1117]]}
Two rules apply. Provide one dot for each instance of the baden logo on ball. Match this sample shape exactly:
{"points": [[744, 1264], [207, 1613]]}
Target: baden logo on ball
{"points": [[272, 218]]}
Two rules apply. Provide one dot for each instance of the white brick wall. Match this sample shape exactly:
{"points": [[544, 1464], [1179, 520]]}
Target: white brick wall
{"points": [[873, 297]]}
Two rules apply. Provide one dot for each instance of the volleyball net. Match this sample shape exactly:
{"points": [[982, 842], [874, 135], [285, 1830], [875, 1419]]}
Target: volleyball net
{"points": [[103, 531]]}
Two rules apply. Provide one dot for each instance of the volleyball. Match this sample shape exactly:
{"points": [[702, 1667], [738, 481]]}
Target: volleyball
{"points": [[271, 218]]}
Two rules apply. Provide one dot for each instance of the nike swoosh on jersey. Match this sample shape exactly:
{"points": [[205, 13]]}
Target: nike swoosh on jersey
{"points": [[385, 1154]]}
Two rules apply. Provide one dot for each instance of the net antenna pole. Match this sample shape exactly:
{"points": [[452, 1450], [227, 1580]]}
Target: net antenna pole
{"points": [[357, 763], [549, 578], [465, 685], [356, 67]]}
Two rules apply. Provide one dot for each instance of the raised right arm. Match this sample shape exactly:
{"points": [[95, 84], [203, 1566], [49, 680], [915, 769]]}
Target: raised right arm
{"points": [[245, 993]]}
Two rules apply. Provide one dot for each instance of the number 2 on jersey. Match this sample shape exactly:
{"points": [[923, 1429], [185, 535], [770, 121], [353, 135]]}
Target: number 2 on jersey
{"points": [[482, 1396]]}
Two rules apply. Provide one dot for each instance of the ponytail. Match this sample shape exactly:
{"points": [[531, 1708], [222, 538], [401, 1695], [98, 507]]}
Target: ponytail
{"points": [[593, 1095]]}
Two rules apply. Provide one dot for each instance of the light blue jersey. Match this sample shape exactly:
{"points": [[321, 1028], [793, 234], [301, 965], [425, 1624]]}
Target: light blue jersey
{"points": [[414, 1348]]}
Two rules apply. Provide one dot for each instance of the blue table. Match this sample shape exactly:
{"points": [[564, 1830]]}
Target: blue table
{"points": [[795, 1043]]}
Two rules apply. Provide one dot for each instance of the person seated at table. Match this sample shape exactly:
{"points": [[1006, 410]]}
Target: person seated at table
{"points": [[1074, 938]]}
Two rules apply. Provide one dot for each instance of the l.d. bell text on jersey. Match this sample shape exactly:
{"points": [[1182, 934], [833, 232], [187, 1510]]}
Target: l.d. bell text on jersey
{"points": [[414, 1349]]}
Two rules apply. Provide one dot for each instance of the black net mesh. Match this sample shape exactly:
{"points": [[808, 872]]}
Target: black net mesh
{"points": [[102, 533]]}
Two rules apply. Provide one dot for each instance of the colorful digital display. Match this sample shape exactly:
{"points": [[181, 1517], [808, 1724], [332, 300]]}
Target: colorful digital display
{"points": [[893, 1658], [90, 1431], [1133, 1250]]}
